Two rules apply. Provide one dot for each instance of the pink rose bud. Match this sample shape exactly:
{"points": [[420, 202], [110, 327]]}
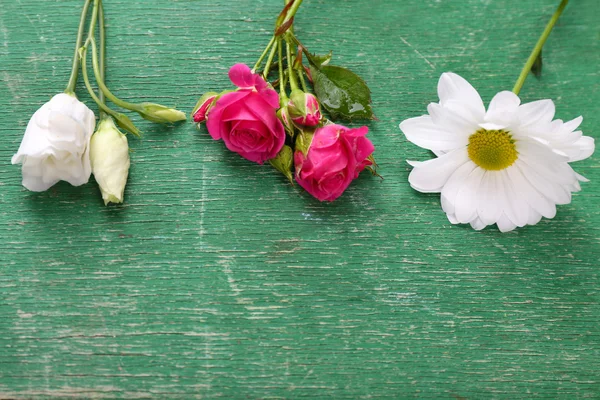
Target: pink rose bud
{"points": [[246, 119], [284, 116], [328, 162], [203, 106], [304, 108]]}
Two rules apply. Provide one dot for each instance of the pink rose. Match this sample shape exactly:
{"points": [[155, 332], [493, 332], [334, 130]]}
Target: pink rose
{"points": [[246, 119], [334, 159]]}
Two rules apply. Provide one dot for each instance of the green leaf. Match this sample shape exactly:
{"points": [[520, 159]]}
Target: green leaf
{"points": [[536, 68], [284, 162], [343, 93]]}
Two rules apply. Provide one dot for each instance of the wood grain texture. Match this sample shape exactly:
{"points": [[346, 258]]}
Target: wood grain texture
{"points": [[217, 279]]}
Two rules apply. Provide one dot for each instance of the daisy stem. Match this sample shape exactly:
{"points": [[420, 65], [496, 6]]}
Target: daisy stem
{"points": [[263, 55], [538, 47], [75, 69]]}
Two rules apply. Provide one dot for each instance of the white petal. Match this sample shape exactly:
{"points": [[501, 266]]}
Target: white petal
{"points": [[36, 184], [489, 207], [452, 219], [535, 150], [454, 89], [424, 133], [573, 124], [535, 199], [564, 138], [478, 224], [453, 185], [454, 118], [65, 132], [548, 188], [534, 218], [490, 126], [35, 141], [431, 176], [505, 224], [33, 175], [581, 178], [465, 204], [516, 208], [536, 113], [504, 193], [581, 149], [560, 172], [503, 109]]}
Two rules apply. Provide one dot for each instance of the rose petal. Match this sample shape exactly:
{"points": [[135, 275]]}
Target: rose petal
{"points": [[242, 77]]}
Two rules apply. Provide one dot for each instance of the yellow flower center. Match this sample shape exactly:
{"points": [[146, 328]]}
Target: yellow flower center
{"points": [[492, 150]]}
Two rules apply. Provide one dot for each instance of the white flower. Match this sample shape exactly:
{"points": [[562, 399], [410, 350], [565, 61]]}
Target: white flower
{"points": [[56, 144], [109, 154], [508, 166]]}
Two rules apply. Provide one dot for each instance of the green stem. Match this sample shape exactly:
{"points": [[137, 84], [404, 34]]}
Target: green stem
{"points": [[102, 32], [102, 86], [538, 47], [282, 94], [86, 79], [290, 62], [96, 64], [294, 39], [75, 69], [292, 12], [83, 58], [269, 63], [302, 80], [263, 55]]}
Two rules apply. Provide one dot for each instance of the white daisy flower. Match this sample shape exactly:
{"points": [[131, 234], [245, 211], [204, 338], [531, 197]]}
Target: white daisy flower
{"points": [[507, 166]]}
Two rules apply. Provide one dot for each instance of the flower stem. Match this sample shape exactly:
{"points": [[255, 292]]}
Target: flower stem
{"points": [[102, 32], [269, 63], [538, 47], [98, 70], [293, 10], [75, 69], [294, 39], [86, 79], [82, 54], [102, 86], [282, 94], [290, 62], [302, 80], [263, 55]]}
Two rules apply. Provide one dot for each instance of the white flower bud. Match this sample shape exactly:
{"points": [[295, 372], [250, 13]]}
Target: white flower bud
{"points": [[109, 154]]}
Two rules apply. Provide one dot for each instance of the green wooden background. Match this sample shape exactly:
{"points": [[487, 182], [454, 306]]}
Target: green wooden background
{"points": [[217, 279]]}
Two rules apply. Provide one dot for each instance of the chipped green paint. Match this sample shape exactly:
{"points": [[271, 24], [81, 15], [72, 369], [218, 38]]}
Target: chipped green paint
{"points": [[217, 279]]}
